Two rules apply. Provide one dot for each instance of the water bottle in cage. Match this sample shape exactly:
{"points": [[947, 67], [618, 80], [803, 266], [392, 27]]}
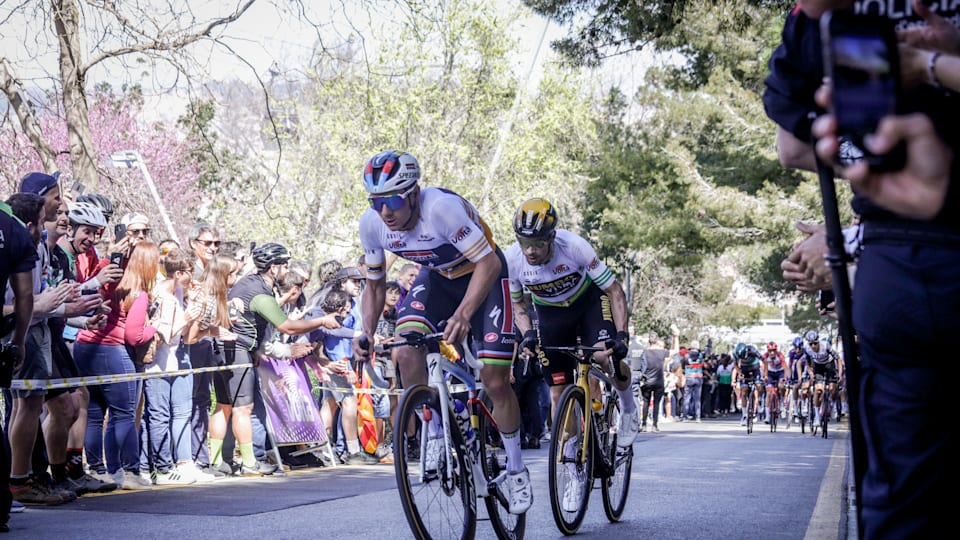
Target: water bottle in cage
{"points": [[463, 418]]}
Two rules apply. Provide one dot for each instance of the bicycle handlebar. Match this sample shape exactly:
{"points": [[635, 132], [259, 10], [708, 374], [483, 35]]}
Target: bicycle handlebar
{"points": [[572, 349]]}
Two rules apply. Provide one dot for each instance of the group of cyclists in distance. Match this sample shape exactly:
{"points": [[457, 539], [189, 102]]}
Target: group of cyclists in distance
{"points": [[799, 386]]}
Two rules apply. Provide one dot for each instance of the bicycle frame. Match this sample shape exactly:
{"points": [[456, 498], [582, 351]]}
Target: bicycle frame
{"points": [[587, 367]]}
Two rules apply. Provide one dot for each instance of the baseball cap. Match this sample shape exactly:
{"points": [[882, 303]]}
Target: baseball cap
{"points": [[350, 272], [134, 218], [38, 182]]}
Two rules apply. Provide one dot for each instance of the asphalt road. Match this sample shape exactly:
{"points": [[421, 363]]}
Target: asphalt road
{"points": [[703, 481]]}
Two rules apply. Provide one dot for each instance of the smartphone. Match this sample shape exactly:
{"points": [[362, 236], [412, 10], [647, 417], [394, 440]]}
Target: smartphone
{"points": [[824, 299], [119, 231], [116, 258], [861, 60]]}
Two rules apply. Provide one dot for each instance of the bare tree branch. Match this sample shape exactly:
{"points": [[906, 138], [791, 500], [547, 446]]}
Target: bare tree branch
{"points": [[14, 92], [163, 41]]}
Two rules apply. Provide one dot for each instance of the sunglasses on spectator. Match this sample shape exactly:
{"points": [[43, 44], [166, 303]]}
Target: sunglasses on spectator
{"points": [[393, 202], [536, 244], [208, 243], [136, 232]]}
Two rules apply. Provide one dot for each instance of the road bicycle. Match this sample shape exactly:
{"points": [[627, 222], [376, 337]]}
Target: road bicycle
{"points": [[583, 444], [440, 499], [773, 410], [824, 409]]}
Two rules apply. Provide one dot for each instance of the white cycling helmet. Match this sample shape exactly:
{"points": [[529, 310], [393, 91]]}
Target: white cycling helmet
{"points": [[84, 213], [391, 170]]}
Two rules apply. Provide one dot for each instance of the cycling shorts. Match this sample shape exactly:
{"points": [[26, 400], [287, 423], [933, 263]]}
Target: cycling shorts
{"points": [[774, 377], [590, 318], [434, 298], [827, 371]]}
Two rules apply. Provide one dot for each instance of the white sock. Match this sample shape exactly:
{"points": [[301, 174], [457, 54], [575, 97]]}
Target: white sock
{"points": [[511, 446], [353, 446]]}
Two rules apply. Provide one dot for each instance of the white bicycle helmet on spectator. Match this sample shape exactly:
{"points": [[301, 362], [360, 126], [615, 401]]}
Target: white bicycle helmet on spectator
{"points": [[389, 171], [85, 213]]}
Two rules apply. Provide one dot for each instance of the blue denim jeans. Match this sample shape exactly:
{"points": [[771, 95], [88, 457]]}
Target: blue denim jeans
{"points": [[119, 444], [165, 434]]}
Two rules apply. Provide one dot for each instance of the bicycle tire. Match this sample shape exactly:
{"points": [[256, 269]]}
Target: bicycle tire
{"points": [[751, 411], [774, 412], [824, 415], [493, 460], [813, 408], [804, 407], [570, 421], [616, 485], [434, 509]]}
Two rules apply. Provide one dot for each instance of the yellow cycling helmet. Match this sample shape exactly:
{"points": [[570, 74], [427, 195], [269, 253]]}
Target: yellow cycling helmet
{"points": [[536, 218]]}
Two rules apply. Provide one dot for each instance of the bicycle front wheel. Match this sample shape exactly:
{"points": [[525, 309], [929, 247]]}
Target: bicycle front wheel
{"points": [[570, 467], [751, 412], [493, 458], [616, 486], [436, 489]]}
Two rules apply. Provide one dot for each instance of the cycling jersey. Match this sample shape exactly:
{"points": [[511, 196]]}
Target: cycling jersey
{"points": [[449, 237], [260, 308], [798, 363], [774, 360], [572, 268], [824, 356], [750, 367]]}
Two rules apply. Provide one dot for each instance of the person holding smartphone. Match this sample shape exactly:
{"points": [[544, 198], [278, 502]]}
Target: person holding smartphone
{"points": [[908, 271]]}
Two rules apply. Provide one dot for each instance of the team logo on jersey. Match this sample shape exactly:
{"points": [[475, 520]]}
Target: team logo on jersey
{"points": [[417, 290], [417, 305], [491, 337], [495, 315], [395, 235], [425, 238], [561, 268], [397, 245], [559, 378], [419, 255], [594, 263], [603, 335], [461, 234]]}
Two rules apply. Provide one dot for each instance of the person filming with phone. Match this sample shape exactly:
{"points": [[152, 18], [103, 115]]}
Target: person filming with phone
{"points": [[907, 285]]}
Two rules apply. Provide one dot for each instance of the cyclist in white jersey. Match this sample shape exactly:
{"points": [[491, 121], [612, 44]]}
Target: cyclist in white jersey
{"points": [[822, 360], [462, 280], [575, 295]]}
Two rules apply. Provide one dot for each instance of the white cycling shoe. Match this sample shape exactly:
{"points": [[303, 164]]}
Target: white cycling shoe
{"points": [[572, 493], [519, 491]]}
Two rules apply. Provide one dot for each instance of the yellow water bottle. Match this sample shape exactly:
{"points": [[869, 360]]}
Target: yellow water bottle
{"points": [[596, 405]]}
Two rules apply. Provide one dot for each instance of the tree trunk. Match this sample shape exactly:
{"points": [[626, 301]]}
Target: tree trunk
{"points": [[82, 154], [15, 95]]}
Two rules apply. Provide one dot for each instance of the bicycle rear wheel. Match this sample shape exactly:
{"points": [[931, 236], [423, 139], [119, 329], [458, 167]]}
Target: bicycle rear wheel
{"points": [[493, 458], [441, 504], [616, 485], [569, 470]]}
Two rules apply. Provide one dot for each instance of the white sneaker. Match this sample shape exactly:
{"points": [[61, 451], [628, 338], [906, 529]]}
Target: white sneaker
{"points": [[628, 428], [431, 458], [573, 493], [519, 491], [173, 477], [195, 471], [131, 481]]}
